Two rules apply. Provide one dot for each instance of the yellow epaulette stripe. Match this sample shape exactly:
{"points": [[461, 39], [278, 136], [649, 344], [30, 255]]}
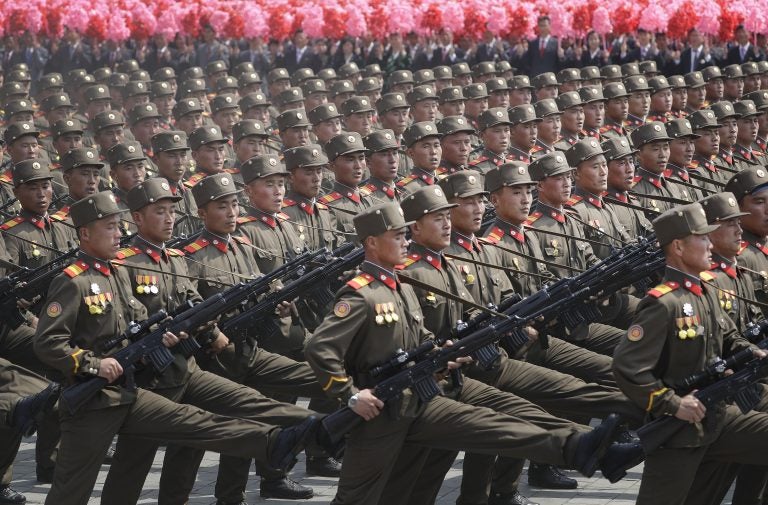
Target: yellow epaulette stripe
{"points": [[331, 197], [359, 281], [405, 180], [127, 252], [193, 247], [707, 276], [660, 290], [175, 252], [653, 396], [73, 271], [333, 379], [574, 200], [241, 238], [74, 356], [245, 219], [11, 223]]}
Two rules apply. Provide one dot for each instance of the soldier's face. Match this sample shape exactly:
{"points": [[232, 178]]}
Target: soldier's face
{"points": [[592, 175], [34, 196], [747, 130], [172, 164], [547, 92], [524, 135], [210, 157], [426, 153], [617, 108], [266, 193], [129, 175], [662, 101], [295, 136], [314, 100], [556, 190], [456, 148], [473, 108], [388, 249], [715, 89], [452, 108], [24, 148], [570, 86], [762, 124], [726, 240], [165, 105], [395, 119], [260, 113], [696, 97], [248, 147], [654, 156], [349, 168], [68, 141], [679, 99], [425, 110], [757, 206], [496, 138], [220, 215], [520, 97], [752, 83], [467, 218], [499, 98], [513, 203], [734, 88], [694, 253], [433, 230], [728, 132], [145, 129], [21, 117], [190, 122], [155, 221], [82, 181], [326, 130], [360, 122], [681, 151], [384, 164], [101, 238], [59, 113], [640, 103], [226, 119], [97, 106], [306, 181], [709, 142], [621, 173], [110, 136], [573, 119], [549, 129]]}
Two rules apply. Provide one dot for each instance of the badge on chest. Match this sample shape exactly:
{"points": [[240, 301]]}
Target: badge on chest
{"points": [[146, 285], [98, 303], [688, 327], [386, 314]]}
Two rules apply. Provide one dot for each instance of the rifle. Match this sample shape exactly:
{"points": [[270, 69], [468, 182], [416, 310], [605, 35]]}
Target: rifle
{"points": [[550, 302], [147, 343], [28, 283], [740, 388], [310, 288]]}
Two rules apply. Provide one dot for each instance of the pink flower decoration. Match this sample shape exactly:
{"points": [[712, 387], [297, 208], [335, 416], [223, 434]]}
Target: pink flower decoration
{"points": [[601, 21]]}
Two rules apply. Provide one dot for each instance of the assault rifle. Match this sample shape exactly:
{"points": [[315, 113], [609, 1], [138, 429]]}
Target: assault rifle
{"points": [[27, 284], [311, 290], [147, 343], [740, 388], [563, 296]]}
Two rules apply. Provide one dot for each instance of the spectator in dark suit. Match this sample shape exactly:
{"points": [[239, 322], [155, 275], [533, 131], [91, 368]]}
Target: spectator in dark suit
{"points": [[211, 49], [696, 56], [72, 54], [396, 56], [300, 54], [543, 51], [346, 52], [33, 54], [593, 55], [256, 54], [490, 49], [446, 52], [111, 54], [160, 54], [742, 51]]}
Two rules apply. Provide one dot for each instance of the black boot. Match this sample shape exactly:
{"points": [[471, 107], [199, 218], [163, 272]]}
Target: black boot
{"points": [[29, 410], [323, 466], [619, 458], [549, 477], [591, 446], [514, 498], [8, 496], [289, 442], [44, 475], [285, 489]]}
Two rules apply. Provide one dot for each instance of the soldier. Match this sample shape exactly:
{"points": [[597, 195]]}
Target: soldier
{"points": [[681, 151], [729, 129], [66, 134], [423, 102], [172, 160], [611, 74], [747, 125], [462, 75], [476, 104], [686, 329], [369, 87], [616, 111], [400, 81], [494, 128], [188, 115], [108, 130], [706, 146], [751, 73], [382, 162], [456, 144], [353, 325], [326, 122], [599, 221], [135, 93], [67, 339], [163, 97], [341, 91], [144, 121], [127, 170], [314, 222], [208, 152], [422, 143], [713, 76], [734, 83], [358, 115], [82, 174], [679, 96], [293, 126], [523, 132], [451, 101], [249, 138], [661, 100], [652, 142], [696, 96], [521, 91], [572, 120], [548, 131], [761, 102], [621, 175], [569, 80], [546, 86], [594, 111], [639, 101], [393, 111], [225, 113], [498, 92], [21, 144], [97, 100]]}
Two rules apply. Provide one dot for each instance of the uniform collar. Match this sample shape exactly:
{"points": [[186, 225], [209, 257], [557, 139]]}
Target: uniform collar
{"points": [[468, 243], [104, 267], [268, 218], [154, 251], [724, 264], [744, 152], [655, 179], [621, 196], [450, 168], [432, 257], [304, 203], [37, 220], [517, 154], [547, 210], [345, 191], [424, 175], [217, 241], [749, 238], [677, 170], [380, 273], [690, 282], [594, 200], [386, 188]]}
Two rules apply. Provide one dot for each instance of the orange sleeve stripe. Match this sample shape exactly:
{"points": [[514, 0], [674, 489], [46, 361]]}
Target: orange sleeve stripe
{"points": [[653, 396]]}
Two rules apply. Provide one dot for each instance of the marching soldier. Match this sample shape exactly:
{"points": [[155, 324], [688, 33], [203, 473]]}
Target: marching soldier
{"points": [[747, 124], [548, 132], [188, 115], [594, 111], [696, 92], [727, 118], [706, 146], [523, 132], [616, 111], [382, 162], [494, 128], [639, 101], [393, 112], [127, 169], [294, 128], [572, 120], [652, 144], [621, 175], [66, 134], [422, 143], [326, 122], [681, 151], [455, 143]]}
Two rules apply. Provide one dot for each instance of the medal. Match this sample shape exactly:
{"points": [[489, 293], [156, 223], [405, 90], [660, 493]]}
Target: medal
{"points": [[95, 289], [140, 289], [395, 317], [154, 290], [35, 252], [691, 333], [94, 309], [379, 317], [687, 309]]}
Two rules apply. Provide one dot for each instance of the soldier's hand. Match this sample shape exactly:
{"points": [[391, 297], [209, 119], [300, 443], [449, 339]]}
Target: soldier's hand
{"points": [[110, 369], [691, 409], [464, 360], [533, 335], [759, 353], [218, 344], [169, 339], [367, 406], [283, 309]]}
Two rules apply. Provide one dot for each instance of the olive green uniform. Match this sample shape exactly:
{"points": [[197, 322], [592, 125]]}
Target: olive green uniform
{"points": [[379, 191], [187, 223], [24, 233], [314, 222], [599, 222], [417, 179], [633, 220], [754, 256], [87, 304], [675, 173], [650, 184], [342, 199], [678, 330]]}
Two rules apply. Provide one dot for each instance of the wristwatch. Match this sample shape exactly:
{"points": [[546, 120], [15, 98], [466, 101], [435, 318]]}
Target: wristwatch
{"points": [[352, 401]]}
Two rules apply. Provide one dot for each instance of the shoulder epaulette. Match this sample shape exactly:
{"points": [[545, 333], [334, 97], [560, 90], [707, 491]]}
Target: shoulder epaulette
{"points": [[6, 178], [330, 197], [321, 206], [663, 289], [367, 190], [410, 260], [478, 160], [532, 218], [175, 252], [76, 269], [242, 239], [11, 223], [573, 200], [360, 281], [287, 202], [195, 246], [405, 180], [536, 149], [283, 216], [246, 219], [127, 252], [192, 181], [708, 276], [495, 235], [694, 164]]}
